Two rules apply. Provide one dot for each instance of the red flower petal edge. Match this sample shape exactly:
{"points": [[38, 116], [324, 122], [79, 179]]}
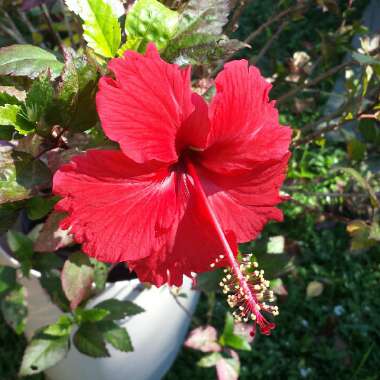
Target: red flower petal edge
{"points": [[190, 182]]}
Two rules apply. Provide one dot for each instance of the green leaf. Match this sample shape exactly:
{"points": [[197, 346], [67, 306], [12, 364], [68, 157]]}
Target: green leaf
{"points": [[75, 92], [14, 309], [44, 351], [361, 181], [149, 20], [90, 341], [77, 277], [38, 98], [7, 279], [356, 150], [100, 274], [12, 114], [90, 315], [22, 248], [119, 309], [21, 176], [199, 38], [28, 60], [8, 215], [209, 281], [117, 336], [228, 368], [100, 25], [63, 327], [51, 237], [364, 59], [8, 114], [11, 95], [210, 360], [368, 130], [230, 339], [39, 207], [51, 282]]}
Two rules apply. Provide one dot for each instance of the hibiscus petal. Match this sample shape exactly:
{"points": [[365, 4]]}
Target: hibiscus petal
{"points": [[195, 130], [118, 209], [144, 106], [244, 203], [142, 214], [244, 123]]}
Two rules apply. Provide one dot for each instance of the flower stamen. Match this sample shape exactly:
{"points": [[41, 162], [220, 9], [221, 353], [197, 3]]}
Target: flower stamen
{"points": [[245, 285]]}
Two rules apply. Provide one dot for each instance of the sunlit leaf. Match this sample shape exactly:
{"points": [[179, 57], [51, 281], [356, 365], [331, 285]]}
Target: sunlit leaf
{"points": [[28, 60]]}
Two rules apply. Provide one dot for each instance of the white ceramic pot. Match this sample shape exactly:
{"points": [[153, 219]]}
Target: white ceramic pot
{"points": [[157, 334]]}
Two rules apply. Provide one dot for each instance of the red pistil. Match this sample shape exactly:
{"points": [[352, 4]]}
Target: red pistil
{"points": [[249, 288]]}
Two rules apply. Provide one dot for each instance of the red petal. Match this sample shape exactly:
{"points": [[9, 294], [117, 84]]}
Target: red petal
{"points": [[145, 106], [245, 203], [195, 130], [142, 214], [118, 209], [244, 123]]}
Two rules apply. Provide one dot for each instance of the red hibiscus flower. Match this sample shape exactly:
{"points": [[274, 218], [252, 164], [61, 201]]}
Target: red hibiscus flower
{"points": [[190, 180]]}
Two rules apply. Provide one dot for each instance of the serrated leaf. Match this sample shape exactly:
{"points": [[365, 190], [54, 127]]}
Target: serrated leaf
{"points": [[133, 43], [90, 315], [38, 207], [150, 20], [42, 352], [22, 248], [21, 176], [89, 340], [62, 327], [119, 309], [75, 92], [77, 277], [210, 360], [116, 335], [12, 114], [38, 98], [228, 368], [204, 339], [28, 60], [14, 310], [82, 8], [51, 236], [100, 25], [7, 279], [8, 114]]}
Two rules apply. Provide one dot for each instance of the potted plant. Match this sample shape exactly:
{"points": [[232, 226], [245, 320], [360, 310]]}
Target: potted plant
{"points": [[101, 164]]}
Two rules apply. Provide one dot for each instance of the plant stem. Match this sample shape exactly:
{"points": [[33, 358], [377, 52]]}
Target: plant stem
{"points": [[319, 78], [49, 21], [261, 28], [231, 25], [268, 44]]}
